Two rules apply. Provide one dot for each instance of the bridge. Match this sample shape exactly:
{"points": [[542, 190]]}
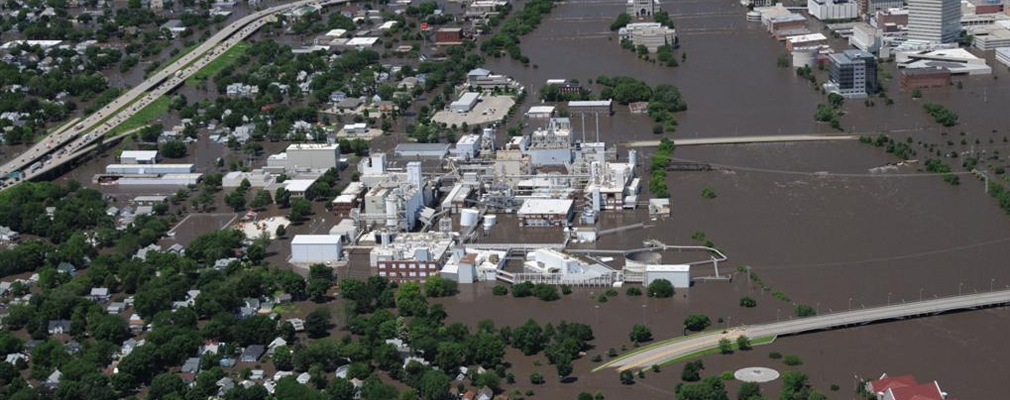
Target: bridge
{"points": [[675, 349], [746, 140], [71, 140]]}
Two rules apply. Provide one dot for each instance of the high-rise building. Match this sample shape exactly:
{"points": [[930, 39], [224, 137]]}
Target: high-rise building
{"points": [[934, 21], [852, 74]]}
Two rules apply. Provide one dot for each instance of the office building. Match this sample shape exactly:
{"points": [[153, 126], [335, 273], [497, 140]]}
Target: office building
{"points": [[934, 21], [827, 10], [652, 35], [852, 74]]}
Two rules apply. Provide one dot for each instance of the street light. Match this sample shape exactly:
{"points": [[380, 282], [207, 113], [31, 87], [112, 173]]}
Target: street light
{"points": [[850, 304], [777, 314], [992, 284], [644, 320], [888, 298], [959, 288], [920, 294]]}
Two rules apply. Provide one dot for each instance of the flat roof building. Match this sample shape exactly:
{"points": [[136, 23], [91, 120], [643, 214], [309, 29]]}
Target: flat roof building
{"points": [[436, 150], [465, 103], [852, 74], [139, 157], [316, 248], [546, 212]]}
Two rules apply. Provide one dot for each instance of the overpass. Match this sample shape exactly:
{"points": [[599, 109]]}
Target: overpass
{"points": [[674, 349], [71, 139], [746, 140]]}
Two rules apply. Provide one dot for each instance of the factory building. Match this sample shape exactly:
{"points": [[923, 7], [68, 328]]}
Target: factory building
{"points": [[554, 267], [825, 10], [546, 212], [612, 186], [316, 249], [469, 266], [551, 145], [467, 147], [349, 198], [306, 157], [395, 203], [412, 256], [427, 150]]}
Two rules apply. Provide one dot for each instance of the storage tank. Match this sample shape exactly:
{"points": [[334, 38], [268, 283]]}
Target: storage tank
{"points": [[635, 263], [469, 217], [489, 221]]}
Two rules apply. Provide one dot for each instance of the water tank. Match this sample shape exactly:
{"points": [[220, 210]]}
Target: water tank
{"points": [[753, 16], [489, 221], [469, 217]]}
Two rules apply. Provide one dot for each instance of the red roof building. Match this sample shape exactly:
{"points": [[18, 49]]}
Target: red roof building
{"points": [[905, 387]]}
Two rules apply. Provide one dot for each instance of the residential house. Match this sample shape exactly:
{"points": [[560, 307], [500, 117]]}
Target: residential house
{"points": [[277, 342], [100, 295], [59, 327], [485, 393], [53, 380], [905, 387], [66, 268], [252, 353], [304, 378], [298, 324], [116, 307], [190, 368], [136, 323], [8, 235]]}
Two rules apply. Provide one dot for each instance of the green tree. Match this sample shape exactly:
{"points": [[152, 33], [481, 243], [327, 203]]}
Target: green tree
{"points": [[743, 342], [692, 371], [623, 19], [173, 149], [660, 288], [318, 322], [697, 322], [803, 310], [748, 302], [749, 391], [725, 346], [627, 378], [300, 208], [640, 333], [437, 286]]}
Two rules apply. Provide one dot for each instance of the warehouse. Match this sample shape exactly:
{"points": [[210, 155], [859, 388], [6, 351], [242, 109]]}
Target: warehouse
{"points": [[155, 169], [307, 156], [436, 150], [139, 157], [315, 248], [678, 275], [160, 180], [546, 212], [465, 103]]}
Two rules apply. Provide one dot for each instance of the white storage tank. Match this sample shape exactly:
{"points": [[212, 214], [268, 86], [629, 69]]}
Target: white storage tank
{"points": [[469, 217], [489, 221]]}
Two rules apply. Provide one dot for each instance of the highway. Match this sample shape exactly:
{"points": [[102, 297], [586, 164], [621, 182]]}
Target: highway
{"points": [[682, 347], [746, 140], [70, 139]]}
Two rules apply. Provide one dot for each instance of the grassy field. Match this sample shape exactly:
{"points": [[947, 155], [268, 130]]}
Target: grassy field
{"points": [[715, 350], [143, 117], [214, 67]]}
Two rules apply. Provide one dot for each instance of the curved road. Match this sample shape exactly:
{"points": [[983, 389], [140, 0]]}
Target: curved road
{"points": [[686, 346], [67, 140]]}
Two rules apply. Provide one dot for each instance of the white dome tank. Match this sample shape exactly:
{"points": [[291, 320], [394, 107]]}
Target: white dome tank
{"points": [[469, 217]]}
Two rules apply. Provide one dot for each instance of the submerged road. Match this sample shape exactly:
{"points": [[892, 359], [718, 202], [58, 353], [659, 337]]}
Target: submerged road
{"points": [[746, 140], [69, 140], [678, 348]]}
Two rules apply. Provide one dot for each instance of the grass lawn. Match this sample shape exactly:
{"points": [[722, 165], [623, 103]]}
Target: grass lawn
{"points": [[214, 67], [715, 350], [143, 117]]}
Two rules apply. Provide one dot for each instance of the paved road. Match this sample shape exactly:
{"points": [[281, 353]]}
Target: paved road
{"points": [[660, 354], [745, 140], [73, 138]]}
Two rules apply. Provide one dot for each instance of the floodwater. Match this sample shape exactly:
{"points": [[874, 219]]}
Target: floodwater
{"points": [[730, 79]]}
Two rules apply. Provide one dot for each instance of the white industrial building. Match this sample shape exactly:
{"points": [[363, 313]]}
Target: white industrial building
{"points": [[160, 180], [316, 248], [652, 35], [139, 157], [397, 203], [546, 212], [149, 169], [678, 275], [555, 267], [298, 187], [833, 9], [551, 145], [471, 265], [306, 157], [468, 146], [411, 256], [465, 103], [427, 150], [958, 61]]}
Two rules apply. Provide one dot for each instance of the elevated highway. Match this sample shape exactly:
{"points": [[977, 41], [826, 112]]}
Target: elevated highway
{"points": [[68, 141], [681, 347], [747, 140]]}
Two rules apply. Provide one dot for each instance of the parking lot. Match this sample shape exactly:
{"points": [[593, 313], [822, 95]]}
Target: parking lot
{"points": [[490, 109]]}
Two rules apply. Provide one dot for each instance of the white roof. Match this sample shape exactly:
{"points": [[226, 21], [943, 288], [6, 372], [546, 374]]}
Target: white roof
{"points": [[312, 146], [387, 25], [316, 239], [546, 206], [336, 33], [668, 268], [589, 103], [541, 110], [139, 154], [813, 37], [298, 185], [362, 41]]}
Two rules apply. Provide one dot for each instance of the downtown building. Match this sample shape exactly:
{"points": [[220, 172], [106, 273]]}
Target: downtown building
{"points": [[852, 74], [934, 21]]}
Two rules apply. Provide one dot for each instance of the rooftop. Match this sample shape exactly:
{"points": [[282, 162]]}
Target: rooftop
{"points": [[315, 239], [546, 206]]}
